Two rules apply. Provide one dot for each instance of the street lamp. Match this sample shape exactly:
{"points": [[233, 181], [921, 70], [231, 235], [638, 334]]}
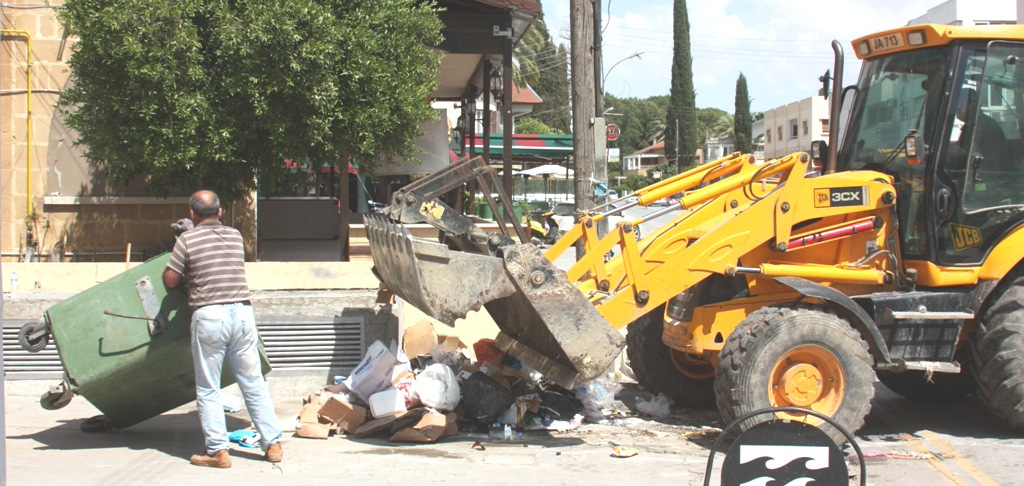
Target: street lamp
{"points": [[606, 73], [495, 83]]}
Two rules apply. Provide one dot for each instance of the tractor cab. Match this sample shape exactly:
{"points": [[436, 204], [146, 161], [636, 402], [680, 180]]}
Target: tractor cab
{"points": [[951, 98]]}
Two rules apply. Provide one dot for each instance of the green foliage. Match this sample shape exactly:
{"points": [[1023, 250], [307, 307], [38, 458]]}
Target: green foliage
{"points": [[682, 107], [552, 84], [213, 93], [743, 122], [533, 125], [641, 121]]}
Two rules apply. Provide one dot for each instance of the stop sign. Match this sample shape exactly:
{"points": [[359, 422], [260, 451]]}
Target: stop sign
{"points": [[613, 131]]}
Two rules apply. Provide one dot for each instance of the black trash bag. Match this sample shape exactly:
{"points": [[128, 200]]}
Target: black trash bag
{"points": [[484, 399], [556, 403]]}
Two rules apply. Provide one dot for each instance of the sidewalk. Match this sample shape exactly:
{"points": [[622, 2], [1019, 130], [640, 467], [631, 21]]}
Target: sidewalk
{"points": [[47, 447]]}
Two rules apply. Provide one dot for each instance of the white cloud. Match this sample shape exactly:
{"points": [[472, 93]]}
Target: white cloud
{"points": [[781, 46]]}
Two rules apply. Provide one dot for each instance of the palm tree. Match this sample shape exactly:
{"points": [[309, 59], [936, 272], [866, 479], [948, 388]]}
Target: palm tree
{"points": [[525, 68]]}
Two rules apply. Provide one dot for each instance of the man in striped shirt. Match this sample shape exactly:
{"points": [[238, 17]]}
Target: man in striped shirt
{"points": [[210, 259]]}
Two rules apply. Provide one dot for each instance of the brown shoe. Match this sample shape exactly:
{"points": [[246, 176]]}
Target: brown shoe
{"points": [[274, 452], [218, 459]]}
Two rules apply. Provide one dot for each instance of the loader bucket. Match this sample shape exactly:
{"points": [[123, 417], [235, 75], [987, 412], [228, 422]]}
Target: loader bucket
{"points": [[442, 283], [545, 321]]}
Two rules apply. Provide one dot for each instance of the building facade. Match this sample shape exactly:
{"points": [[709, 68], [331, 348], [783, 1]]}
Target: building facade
{"points": [[962, 12], [791, 128]]}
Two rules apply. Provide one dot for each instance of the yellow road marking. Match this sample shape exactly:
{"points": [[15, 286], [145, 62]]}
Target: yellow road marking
{"points": [[949, 450], [888, 413], [919, 446]]}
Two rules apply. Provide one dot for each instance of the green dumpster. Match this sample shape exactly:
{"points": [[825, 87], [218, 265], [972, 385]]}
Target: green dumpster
{"points": [[125, 346]]}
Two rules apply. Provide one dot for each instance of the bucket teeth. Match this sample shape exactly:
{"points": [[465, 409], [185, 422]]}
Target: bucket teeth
{"points": [[442, 283], [545, 321]]}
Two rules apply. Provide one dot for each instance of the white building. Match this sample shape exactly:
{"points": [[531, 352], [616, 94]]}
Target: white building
{"points": [[792, 128], [963, 12]]}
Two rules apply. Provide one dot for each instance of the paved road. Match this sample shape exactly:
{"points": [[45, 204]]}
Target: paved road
{"points": [[935, 444]]}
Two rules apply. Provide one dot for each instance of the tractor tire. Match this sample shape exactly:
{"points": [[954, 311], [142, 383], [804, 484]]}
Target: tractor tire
{"points": [[795, 356], [998, 348], [663, 370]]}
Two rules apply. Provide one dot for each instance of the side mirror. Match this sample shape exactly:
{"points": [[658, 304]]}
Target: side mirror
{"points": [[819, 152], [915, 147]]}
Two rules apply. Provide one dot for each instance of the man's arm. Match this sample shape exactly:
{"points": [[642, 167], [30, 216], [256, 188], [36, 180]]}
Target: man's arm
{"points": [[172, 278]]}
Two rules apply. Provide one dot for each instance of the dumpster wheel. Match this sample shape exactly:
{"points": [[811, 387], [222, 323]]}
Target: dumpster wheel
{"points": [[34, 336], [58, 397]]}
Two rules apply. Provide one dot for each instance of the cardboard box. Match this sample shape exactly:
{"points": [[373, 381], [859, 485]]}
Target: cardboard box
{"points": [[419, 338], [430, 427], [313, 430], [309, 425], [341, 414], [373, 373], [387, 402], [371, 427]]}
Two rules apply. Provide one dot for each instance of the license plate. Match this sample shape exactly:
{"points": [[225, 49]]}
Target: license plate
{"points": [[886, 42]]}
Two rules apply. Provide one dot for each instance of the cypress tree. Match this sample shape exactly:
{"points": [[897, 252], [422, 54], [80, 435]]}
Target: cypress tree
{"points": [[742, 122], [682, 110]]}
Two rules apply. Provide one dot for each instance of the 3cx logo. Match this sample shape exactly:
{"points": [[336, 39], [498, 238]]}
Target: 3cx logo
{"points": [[840, 196]]}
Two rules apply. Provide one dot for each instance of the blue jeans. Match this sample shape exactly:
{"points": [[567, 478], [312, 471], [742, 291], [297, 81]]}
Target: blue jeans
{"points": [[229, 331]]}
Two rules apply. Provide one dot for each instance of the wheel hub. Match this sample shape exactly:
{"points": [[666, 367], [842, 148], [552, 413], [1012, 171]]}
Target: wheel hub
{"points": [[802, 384], [808, 376]]}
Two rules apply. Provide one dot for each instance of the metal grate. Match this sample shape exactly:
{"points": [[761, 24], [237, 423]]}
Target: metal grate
{"points": [[318, 343], [21, 364]]}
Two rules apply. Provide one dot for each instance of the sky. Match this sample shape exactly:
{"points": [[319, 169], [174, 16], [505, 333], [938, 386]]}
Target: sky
{"points": [[780, 46]]}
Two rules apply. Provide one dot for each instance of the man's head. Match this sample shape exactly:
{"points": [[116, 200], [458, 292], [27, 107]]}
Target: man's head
{"points": [[204, 205], [968, 103]]}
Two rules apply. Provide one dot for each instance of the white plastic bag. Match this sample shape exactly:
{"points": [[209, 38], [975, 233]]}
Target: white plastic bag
{"points": [[597, 395], [657, 407], [437, 387]]}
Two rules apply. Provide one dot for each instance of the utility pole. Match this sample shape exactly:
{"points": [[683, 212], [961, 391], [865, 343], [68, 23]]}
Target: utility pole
{"points": [[678, 169], [581, 55], [582, 77]]}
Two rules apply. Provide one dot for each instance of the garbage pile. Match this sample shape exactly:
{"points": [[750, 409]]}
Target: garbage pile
{"points": [[430, 388]]}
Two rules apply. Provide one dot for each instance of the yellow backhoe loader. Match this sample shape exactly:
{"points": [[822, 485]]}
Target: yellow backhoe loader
{"points": [[893, 250]]}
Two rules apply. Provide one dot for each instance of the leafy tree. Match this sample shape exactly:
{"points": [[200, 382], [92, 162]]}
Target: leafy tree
{"points": [[682, 111], [641, 121], [531, 47], [533, 125], [742, 120], [214, 93], [552, 85]]}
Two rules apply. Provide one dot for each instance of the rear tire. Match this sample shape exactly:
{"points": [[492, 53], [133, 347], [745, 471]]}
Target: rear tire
{"points": [[999, 355], [663, 370], [800, 357]]}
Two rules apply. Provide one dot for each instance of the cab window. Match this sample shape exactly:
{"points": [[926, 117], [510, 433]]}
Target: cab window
{"points": [[982, 160]]}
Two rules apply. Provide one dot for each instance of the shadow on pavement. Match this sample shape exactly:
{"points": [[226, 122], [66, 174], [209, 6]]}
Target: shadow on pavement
{"points": [[959, 417], [175, 434]]}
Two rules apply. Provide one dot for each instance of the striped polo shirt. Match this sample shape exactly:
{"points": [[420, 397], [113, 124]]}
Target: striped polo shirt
{"points": [[212, 260]]}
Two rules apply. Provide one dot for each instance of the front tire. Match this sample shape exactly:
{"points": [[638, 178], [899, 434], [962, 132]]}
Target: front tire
{"points": [[999, 355], [799, 357], [663, 370]]}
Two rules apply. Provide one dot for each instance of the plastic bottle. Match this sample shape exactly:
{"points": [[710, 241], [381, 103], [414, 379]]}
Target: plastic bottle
{"points": [[14, 282], [508, 432]]}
